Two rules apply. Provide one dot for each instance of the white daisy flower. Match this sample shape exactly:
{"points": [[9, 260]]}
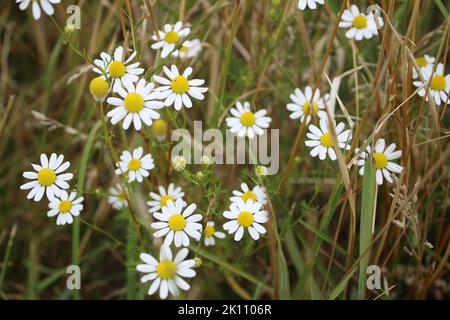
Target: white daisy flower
{"points": [[176, 223], [439, 85], [169, 38], [179, 163], [244, 122], [117, 197], [360, 25], [245, 215], [302, 4], [172, 193], [65, 207], [211, 233], [48, 178], [424, 62], [382, 160], [47, 6], [122, 72], [301, 104], [137, 165], [256, 194], [137, 104], [175, 90], [189, 49], [167, 274], [322, 142]]}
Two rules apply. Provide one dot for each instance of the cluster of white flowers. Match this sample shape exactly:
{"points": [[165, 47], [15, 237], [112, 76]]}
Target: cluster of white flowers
{"points": [[138, 99], [49, 178], [436, 82], [246, 212], [323, 143], [167, 40], [177, 222], [135, 100]]}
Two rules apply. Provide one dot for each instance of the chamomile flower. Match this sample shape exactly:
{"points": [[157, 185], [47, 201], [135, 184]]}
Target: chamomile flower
{"points": [[244, 122], [211, 233], [245, 215], [207, 161], [47, 6], [136, 165], [169, 38], [439, 85], [65, 206], [179, 163], [167, 274], [120, 71], [177, 89], [424, 62], [382, 158], [261, 171], [48, 178], [160, 199], [117, 197], [160, 129], [322, 142], [189, 49], [257, 194], [99, 88], [301, 104], [177, 223], [137, 104], [302, 4], [359, 25]]}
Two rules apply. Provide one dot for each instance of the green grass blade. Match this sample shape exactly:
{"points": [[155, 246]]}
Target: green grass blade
{"points": [[207, 255], [441, 7], [367, 216], [80, 187]]}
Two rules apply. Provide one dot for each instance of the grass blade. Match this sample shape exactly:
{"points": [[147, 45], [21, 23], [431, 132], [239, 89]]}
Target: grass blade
{"points": [[367, 215], [80, 187]]}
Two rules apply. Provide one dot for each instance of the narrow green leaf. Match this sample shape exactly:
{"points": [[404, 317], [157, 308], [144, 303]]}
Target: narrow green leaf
{"points": [[80, 187], [367, 215]]}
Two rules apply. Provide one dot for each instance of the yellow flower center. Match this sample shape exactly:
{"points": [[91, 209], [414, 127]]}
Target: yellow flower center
{"points": [[177, 222], [122, 196], [164, 200], [171, 37], [326, 140], [117, 69], [360, 22], [46, 177], [249, 195], [98, 87], [306, 108], [180, 84], [134, 102], [421, 62], [380, 160], [245, 219], [209, 231], [160, 127], [184, 49], [65, 206], [438, 83], [134, 164], [248, 119], [166, 269]]}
